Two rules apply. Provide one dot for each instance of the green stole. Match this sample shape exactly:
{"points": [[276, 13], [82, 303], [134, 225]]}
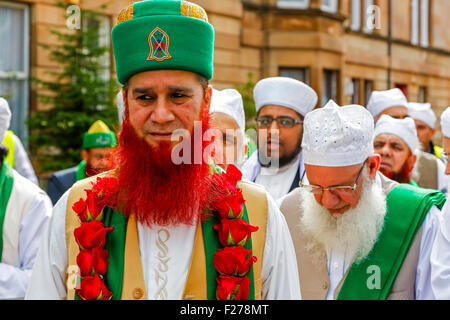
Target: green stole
{"points": [[81, 173], [6, 184], [407, 207], [115, 246]]}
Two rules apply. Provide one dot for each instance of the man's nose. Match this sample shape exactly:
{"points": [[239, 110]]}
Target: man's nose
{"points": [[161, 113], [329, 200]]}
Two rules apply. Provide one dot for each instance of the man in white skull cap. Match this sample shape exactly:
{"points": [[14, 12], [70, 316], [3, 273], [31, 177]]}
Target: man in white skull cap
{"points": [[397, 143], [391, 102], [281, 103], [228, 117], [425, 120], [24, 210], [17, 156], [357, 234]]}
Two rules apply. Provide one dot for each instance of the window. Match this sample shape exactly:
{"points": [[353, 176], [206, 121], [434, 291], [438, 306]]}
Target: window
{"points": [[404, 88], [296, 4], [422, 96], [420, 11], [356, 15], [368, 16], [330, 86], [14, 64], [301, 74], [355, 95], [368, 88], [329, 6]]}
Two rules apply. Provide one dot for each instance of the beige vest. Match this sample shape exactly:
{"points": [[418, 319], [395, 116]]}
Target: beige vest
{"points": [[427, 169], [195, 287], [314, 279]]}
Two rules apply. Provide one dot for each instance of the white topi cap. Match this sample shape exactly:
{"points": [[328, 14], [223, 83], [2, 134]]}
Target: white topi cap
{"points": [[445, 123], [337, 136], [423, 112], [382, 100], [405, 129], [285, 92], [5, 118], [229, 102]]}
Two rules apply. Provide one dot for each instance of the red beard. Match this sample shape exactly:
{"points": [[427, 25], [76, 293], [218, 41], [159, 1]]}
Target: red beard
{"points": [[155, 189], [403, 176]]}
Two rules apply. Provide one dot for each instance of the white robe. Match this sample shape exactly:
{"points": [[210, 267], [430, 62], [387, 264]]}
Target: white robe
{"points": [[27, 212], [165, 256], [276, 183], [337, 264]]}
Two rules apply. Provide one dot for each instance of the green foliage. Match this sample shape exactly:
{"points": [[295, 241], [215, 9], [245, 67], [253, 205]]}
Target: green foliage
{"points": [[246, 90], [81, 93]]}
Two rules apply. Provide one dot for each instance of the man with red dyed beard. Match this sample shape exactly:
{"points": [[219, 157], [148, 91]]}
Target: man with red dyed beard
{"points": [[165, 224], [396, 142]]}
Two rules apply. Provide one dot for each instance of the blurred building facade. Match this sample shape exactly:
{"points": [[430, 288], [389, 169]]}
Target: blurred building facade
{"points": [[344, 49]]}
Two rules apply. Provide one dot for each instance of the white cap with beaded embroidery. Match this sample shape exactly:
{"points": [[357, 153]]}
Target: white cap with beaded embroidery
{"points": [[337, 136], [445, 123]]}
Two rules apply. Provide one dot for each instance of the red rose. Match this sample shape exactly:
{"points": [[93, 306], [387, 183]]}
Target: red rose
{"points": [[107, 188], [91, 234], [93, 288], [234, 232], [91, 208], [232, 288], [230, 206], [232, 177], [233, 261], [93, 261]]}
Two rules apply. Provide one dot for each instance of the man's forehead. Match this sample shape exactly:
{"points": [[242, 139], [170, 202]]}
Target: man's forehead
{"points": [[390, 139], [163, 78], [329, 176], [276, 111]]}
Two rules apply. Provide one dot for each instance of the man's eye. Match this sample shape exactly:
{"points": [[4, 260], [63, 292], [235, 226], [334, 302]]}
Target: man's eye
{"points": [[145, 98], [178, 95]]}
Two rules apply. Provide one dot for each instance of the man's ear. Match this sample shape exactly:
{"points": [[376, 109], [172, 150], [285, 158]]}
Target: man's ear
{"points": [[433, 132], [84, 155], [207, 98], [412, 160], [373, 164]]}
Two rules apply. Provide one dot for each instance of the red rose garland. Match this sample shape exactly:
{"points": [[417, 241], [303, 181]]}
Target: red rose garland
{"points": [[90, 237], [232, 262]]}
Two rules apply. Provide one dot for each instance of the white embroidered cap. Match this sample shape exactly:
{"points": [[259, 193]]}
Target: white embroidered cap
{"points": [[403, 128], [445, 123], [5, 118], [382, 100], [285, 92], [229, 102], [423, 112], [337, 136]]}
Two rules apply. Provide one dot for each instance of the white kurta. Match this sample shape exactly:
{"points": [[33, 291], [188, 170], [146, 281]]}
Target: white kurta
{"points": [[165, 255], [22, 163], [277, 183], [425, 290], [442, 178], [27, 212]]}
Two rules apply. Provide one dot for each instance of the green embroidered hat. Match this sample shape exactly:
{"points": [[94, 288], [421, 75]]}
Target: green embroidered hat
{"points": [[163, 35], [99, 136]]}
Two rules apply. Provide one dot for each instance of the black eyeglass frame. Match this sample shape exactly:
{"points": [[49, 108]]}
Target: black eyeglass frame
{"points": [[278, 120]]}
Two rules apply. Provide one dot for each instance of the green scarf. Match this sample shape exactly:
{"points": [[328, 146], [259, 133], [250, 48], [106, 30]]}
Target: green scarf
{"points": [[6, 184], [81, 171], [407, 208]]}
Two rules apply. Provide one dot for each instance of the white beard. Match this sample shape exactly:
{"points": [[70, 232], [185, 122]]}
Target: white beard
{"points": [[353, 233]]}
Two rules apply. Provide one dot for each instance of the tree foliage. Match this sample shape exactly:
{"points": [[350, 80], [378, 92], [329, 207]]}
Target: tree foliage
{"points": [[80, 92]]}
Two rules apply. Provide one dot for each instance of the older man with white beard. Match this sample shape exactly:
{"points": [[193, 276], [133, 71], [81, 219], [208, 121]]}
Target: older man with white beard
{"points": [[357, 234]]}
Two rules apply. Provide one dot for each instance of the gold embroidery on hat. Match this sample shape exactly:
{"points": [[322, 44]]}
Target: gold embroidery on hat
{"points": [[126, 14], [189, 9]]}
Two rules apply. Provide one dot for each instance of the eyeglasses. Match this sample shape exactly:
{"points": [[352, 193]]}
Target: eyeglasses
{"points": [[340, 191], [283, 122]]}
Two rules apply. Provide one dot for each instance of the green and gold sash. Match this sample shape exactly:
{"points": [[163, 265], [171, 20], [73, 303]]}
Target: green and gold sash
{"points": [[6, 184]]}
